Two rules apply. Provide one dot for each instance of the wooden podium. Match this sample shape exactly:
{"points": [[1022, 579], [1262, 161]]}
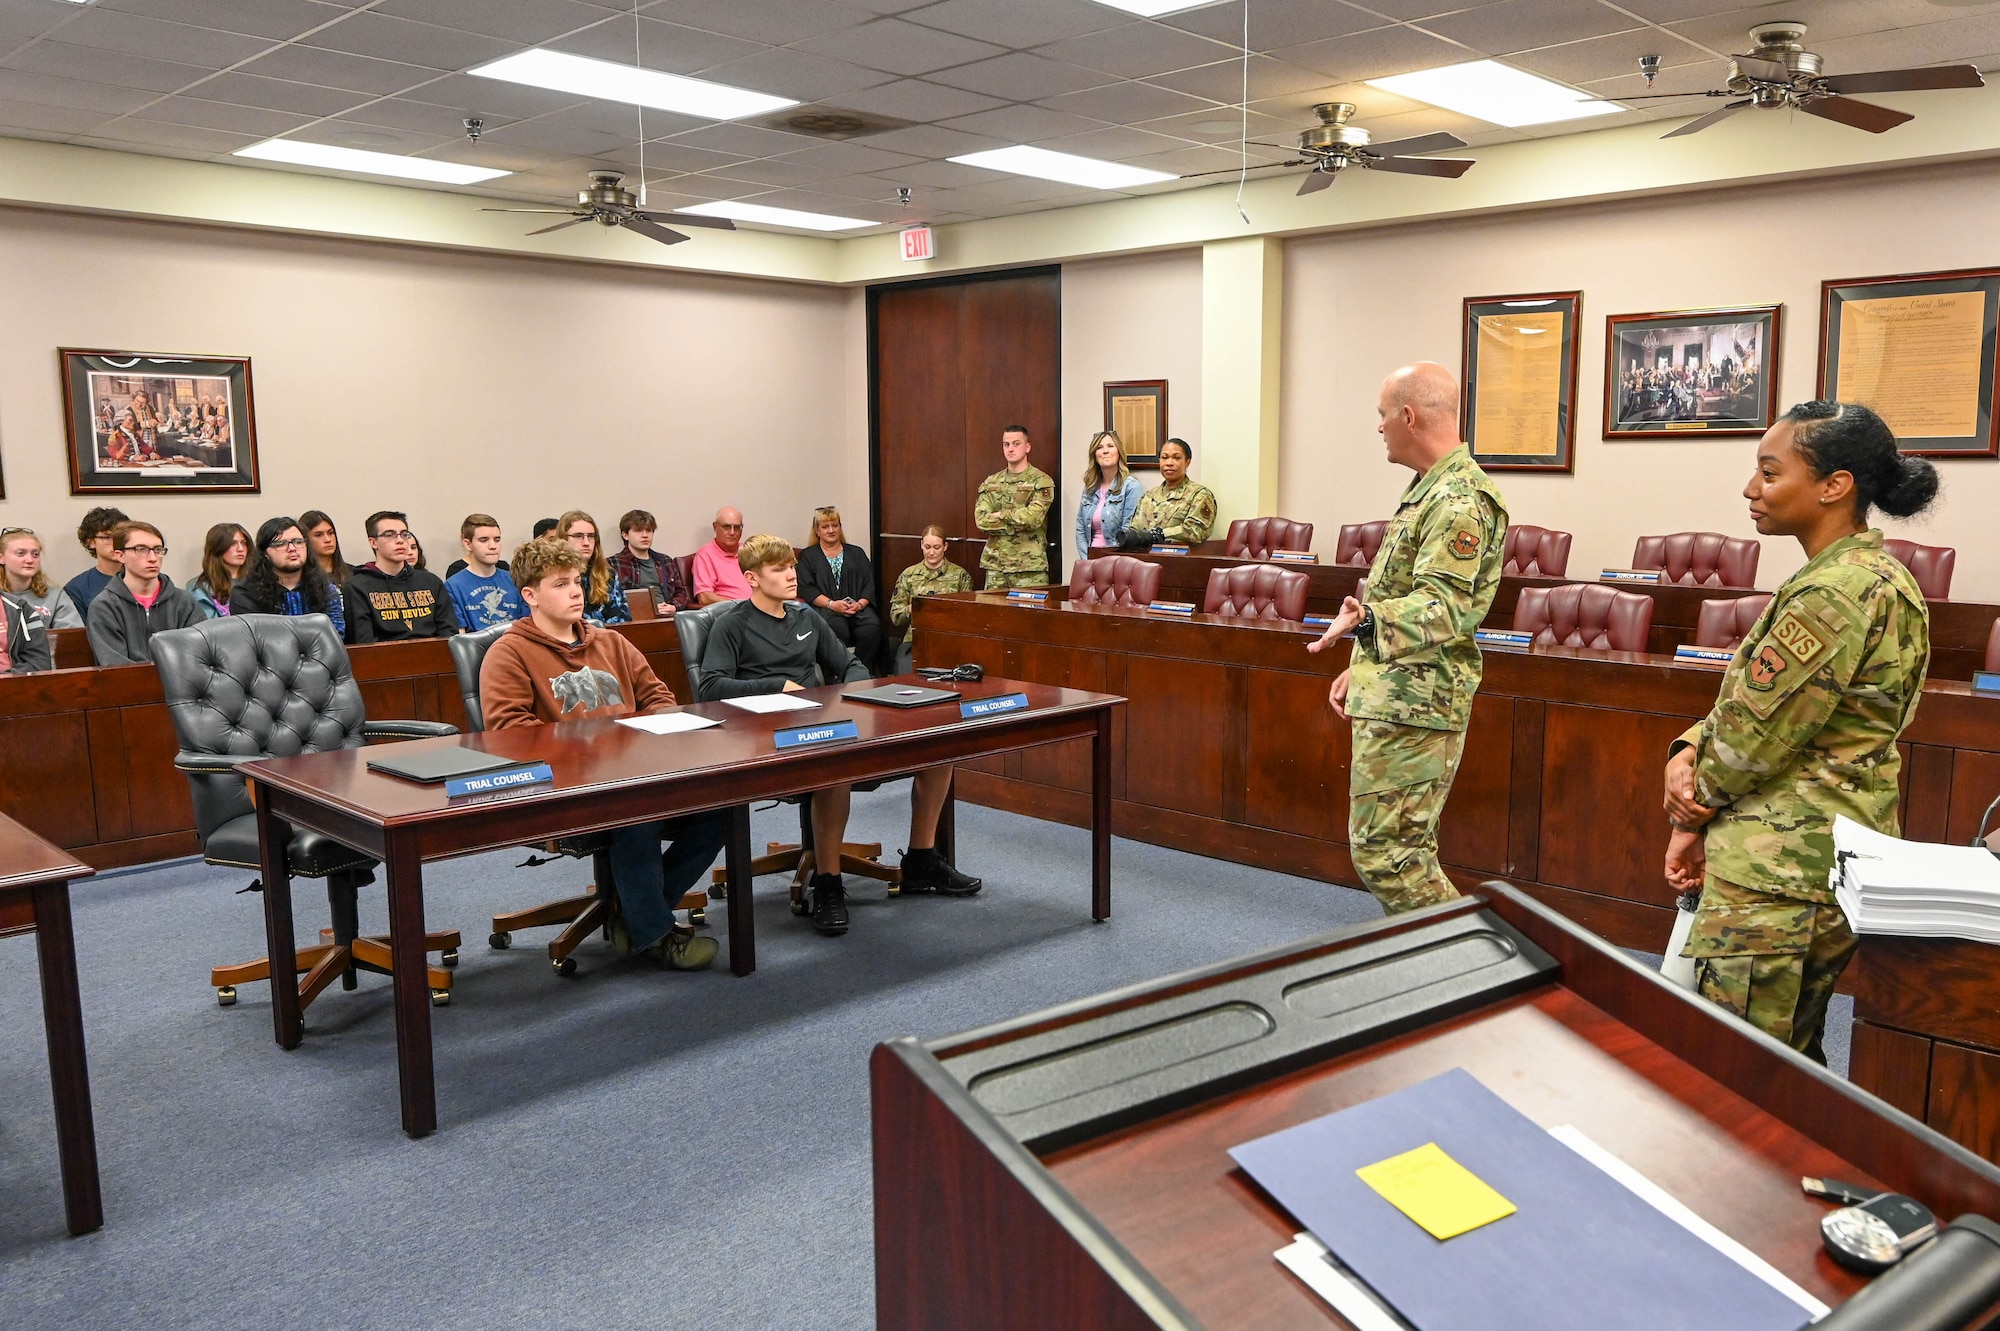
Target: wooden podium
{"points": [[1070, 1168]]}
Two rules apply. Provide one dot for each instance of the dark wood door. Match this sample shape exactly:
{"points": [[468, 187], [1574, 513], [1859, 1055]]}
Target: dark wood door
{"points": [[951, 364]]}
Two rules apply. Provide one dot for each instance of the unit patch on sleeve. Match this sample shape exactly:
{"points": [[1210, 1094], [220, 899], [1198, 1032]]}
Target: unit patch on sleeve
{"points": [[1464, 543], [1765, 667]]}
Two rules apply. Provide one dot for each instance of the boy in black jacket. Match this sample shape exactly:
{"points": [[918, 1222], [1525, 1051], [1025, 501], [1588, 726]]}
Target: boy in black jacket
{"points": [[396, 599]]}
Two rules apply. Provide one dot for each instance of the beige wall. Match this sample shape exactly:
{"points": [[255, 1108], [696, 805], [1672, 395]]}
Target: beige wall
{"points": [[389, 377], [1359, 304], [1137, 318]]}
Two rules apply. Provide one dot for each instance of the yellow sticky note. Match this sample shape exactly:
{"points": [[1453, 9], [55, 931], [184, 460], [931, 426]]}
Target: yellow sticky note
{"points": [[1436, 1191]]}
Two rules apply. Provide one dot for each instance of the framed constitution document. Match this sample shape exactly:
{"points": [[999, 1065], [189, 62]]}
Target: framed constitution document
{"points": [[1519, 408], [1919, 349], [1136, 411], [1691, 372]]}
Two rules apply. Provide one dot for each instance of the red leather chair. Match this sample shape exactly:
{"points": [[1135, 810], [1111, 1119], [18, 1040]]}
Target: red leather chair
{"points": [[1256, 538], [1993, 647], [1114, 580], [1585, 614], [1257, 591], [1930, 565], [1700, 558], [1724, 623], [1359, 541], [1536, 552]]}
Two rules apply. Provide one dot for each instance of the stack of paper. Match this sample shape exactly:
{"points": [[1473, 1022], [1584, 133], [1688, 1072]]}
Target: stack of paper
{"points": [[1887, 886]]}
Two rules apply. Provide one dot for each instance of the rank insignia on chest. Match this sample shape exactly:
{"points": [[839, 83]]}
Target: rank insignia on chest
{"points": [[1765, 667], [1464, 543]]}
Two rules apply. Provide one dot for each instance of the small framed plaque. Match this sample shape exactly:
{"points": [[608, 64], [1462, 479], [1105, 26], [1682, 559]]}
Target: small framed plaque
{"points": [[1919, 349], [1136, 410], [1519, 410]]}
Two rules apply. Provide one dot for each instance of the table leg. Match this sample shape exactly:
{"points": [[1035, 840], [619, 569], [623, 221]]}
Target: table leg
{"points": [[69, 1072], [274, 836], [1100, 818], [742, 914], [409, 962]]}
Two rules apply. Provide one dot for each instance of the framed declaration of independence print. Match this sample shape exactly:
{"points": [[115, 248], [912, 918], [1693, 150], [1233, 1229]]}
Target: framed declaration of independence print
{"points": [[143, 421], [1691, 372], [1136, 410], [1919, 349], [1519, 409]]}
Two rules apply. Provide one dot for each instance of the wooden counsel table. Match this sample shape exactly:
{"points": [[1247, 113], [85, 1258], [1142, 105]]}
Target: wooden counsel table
{"points": [[1927, 1032], [607, 775], [34, 897]]}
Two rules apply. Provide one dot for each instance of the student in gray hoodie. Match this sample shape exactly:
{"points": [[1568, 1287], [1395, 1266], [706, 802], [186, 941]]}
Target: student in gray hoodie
{"points": [[123, 618], [24, 643]]}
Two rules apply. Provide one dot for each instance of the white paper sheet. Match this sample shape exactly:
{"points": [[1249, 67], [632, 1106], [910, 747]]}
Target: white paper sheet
{"points": [[771, 702], [1309, 1260], [668, 723]]}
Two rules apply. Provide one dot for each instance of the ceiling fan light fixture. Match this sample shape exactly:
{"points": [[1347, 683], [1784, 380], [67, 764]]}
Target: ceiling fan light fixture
{"points": [[1500, 94], [758, 212], [1065, 168], [298, 152], [611, 82]]}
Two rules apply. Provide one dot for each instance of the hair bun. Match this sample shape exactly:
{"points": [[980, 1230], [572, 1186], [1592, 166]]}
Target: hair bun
{"points": [[1916, 485]]}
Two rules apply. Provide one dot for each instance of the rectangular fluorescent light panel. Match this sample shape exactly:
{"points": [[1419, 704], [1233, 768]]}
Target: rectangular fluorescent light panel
{"points": [[1065, 167], [758, 212], [627, 83], [300, 153], [1501, 94], [1155, 8]]}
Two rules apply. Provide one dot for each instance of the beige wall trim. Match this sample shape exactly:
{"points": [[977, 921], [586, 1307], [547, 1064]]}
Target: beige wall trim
{"points": [[1242, 331]]}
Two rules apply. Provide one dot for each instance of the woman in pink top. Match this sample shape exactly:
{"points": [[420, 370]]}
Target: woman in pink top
{"points": [[1110, 496]]}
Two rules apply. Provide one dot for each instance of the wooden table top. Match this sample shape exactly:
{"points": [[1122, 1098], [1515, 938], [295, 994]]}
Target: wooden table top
{"points": [[26, 859]]}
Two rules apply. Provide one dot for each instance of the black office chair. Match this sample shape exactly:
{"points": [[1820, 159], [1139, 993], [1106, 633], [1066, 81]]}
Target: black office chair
{"points": [[269, 686], [586, 913], [863, 859]]}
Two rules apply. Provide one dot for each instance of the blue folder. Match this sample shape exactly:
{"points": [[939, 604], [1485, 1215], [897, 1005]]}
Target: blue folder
{"points": [[1581, 1253]]}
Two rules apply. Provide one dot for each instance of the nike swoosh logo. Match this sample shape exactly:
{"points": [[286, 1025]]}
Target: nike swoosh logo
{"points": [[803, 636]]}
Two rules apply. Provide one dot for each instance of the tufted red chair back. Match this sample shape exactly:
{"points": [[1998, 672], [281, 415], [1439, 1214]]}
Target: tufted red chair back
{"points": [[1723, 623], [1993, 647], [687, 571], [1358, 542], [1257, 591], [1536, 552], [1114, 580], [1585, 614], [1930, 565], [1700, 558], [1256, 538]]}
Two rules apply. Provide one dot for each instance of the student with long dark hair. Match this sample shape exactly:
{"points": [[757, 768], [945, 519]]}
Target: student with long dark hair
{"points": [[286, 580], [325, 546], [225, 554]]}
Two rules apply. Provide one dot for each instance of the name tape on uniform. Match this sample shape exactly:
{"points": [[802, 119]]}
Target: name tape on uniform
{"points": [[1006, 702], [1036, 598], [824, 733], [485, 783]]}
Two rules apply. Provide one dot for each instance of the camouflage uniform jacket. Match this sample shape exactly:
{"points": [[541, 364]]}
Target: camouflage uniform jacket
{"points": [[1431, 584], [1806, 723], [1184, 513], [1015, 508], [920, 580]]}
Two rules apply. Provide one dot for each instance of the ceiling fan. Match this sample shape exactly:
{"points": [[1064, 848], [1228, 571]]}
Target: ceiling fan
{"points": [[608, 203], [1779, 72], [1333, 145]]}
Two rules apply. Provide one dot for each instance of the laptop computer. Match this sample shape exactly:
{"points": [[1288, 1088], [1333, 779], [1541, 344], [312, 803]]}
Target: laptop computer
{"points": [[902, 695], [431, 766]]}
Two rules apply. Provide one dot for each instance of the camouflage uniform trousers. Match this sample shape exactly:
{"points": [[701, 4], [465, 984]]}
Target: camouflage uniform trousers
{"points": [[1002, 579], [1397, 784], [1771, 960]]}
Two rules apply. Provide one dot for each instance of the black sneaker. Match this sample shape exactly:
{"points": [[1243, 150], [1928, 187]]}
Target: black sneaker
{"points": [[928, 871], [829, 904]]}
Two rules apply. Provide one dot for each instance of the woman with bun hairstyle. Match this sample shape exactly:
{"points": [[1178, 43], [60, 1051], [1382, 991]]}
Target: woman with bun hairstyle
{"points": [[1805, 725]]}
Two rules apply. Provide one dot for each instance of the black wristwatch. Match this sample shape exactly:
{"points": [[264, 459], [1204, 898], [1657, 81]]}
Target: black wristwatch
{"points": [[1364, 632]]}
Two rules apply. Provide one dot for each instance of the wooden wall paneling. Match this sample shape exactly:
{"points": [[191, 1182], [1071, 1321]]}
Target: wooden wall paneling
{"points": [[72, 649], [157, 795], [47, 777], [1010, 360], [1941, 986], [1173, 742], [1474, 830], [1892, 1064], [917, 401], [1524, 800], [1975, 783], [1965, 1097], [1926, 787], [1236, 747], [1068, 764], [1298, 779], [390, 699], [1602, 773]]}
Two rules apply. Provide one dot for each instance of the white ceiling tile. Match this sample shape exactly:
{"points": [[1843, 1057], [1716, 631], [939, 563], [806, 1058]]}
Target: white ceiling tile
{"points": [[1425, 120], [542, 165], [1189, 159], [23, 23], [93, 65], [279, 95], [476, 96], [1928, 44], [188, 138], [220, 115], [131, 34], [622, 120], [41, 116], [1019, 24], [1126, 103], [853, 157], [705, 187], [745, 140], [1223, 81], [1222, 125], [1692, 78], [1276, 23], [677, 159], [779, 171], [417, 117], [529, 22], [1296, 109], [1609, 57], [932, 141], [1675, 11], [350, 133], [544, 136], [337, 69], [70, 94], [278, 19], [1114, 143], [1001, 189], [1137, 50], [899, 47], [917, 100], [1376, 54], [668, 47], [426, 44], [1407, 11], [1826, 21], [941, 175], [775, 22], [1021, 77], [1523, 25], [800, 75], [1024, 124]]}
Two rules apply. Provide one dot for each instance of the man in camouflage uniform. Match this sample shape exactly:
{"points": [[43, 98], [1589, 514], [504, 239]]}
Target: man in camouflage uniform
{"points": [[1177, 508], [1409, 686], [1804, 728], [1014, 506]]}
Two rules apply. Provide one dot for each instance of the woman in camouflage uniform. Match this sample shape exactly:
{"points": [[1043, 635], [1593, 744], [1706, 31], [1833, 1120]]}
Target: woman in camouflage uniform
{"points": [[1805, 725], [935, 576]]}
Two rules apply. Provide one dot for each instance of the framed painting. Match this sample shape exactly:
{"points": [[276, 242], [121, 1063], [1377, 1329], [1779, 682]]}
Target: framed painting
{"points": [[1518, 411], [1709, 372], [141, 422]]}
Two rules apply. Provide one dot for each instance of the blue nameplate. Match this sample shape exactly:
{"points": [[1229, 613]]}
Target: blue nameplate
{"points": [[1317, 621], [1165, 549], [1006, 702], [1017, 594], [819, 734], [485, 783], [1704, 655], [1171, 607], [1294, 557], [1986, 681], [1513, 638], [1629, 575]]}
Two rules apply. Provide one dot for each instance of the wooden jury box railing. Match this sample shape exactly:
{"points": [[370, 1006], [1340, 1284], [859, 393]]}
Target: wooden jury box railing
{"points": [[1228, 748], [86, 754]]}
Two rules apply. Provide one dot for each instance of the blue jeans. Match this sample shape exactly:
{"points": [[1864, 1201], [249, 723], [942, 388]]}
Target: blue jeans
{"points": [[650, 881]]}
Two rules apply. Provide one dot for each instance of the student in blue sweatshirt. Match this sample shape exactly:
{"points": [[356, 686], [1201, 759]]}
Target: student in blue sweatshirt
{"points": [[483, 592]]}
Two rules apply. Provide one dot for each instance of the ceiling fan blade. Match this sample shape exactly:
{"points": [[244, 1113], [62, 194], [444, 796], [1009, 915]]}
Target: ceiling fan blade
{"points": [[1769, 71], [1663, 96], [574, 221], [1452, 167], [686, 219], [1908, 80], [653, 231], [1417, 147], [551, 211], [1700, 123], [1316, 182], [1862, 115]]}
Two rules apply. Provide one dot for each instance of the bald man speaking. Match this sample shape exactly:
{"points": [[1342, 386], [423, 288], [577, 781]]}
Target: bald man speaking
{"points": [[1408, 688]]}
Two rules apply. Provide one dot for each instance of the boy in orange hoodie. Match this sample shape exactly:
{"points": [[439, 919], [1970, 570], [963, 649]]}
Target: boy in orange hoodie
{"points": [[552, 666]]}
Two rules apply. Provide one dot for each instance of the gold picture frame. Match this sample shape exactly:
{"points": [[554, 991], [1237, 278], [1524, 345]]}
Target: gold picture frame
{"points": [[1136, 411], [1519, 357], [1918, 349]]}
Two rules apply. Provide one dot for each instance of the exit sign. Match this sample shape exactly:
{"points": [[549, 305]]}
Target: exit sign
{"points": [[919, 242]]}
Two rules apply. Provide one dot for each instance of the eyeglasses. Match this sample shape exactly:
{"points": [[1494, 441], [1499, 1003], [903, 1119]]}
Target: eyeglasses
{"points": [[294, 543], [729, 526], [144, 550], [395, 536]]}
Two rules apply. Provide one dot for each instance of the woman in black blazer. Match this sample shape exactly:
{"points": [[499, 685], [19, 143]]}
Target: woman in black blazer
{"points": [[837, 580]]}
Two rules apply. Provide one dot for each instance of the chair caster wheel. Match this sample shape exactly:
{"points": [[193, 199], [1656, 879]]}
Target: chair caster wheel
{"points": [[564, 966], [499, 942], [698, 916], [718, 892], [440, 998], [226, 995], [800, 907], [449, 956]]}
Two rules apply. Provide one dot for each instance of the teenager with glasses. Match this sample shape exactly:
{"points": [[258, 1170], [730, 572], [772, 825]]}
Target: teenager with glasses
{"points": [[286, 579], [395, 599], [94, 535], [126, 614], [604, 600]]}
